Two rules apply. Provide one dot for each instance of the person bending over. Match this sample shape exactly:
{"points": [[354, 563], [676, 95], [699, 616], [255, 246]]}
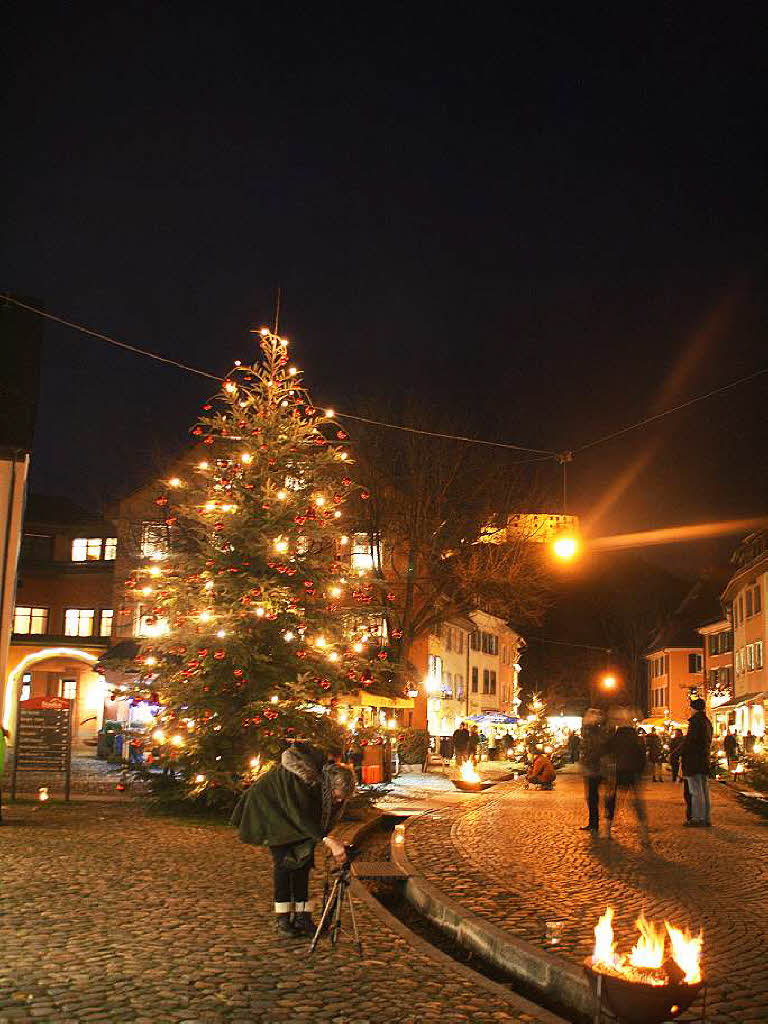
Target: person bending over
{"points": [[542, 772], [290, 809]]}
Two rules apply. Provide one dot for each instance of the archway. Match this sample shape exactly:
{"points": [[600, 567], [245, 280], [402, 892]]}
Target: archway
{"points": [[13, 682]]}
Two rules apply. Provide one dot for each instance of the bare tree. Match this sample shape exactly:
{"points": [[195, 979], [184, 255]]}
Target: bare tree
{"points": [[431, 501]]}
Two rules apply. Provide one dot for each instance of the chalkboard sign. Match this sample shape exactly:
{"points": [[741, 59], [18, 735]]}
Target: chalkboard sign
{"points": [[43, 738]]}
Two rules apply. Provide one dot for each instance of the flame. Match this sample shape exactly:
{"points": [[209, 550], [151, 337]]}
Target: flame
{"points": [[648, 951], [467, 773], [645, 963], [686, 952], [605, 947]]}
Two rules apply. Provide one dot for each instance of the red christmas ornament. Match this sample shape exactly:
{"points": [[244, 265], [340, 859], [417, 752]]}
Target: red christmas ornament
{"points": [[208, 440], [341, 435], [219, 655], [382, 655], [365, 495], [346, 481], [197, 431], [238, 673], [161, 501], [207, 408]]}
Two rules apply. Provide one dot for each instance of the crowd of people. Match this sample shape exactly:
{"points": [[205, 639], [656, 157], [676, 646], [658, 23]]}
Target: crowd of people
{"points": [[615, 756]]}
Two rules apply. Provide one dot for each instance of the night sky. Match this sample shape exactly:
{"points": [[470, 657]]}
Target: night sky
{"points": [[543, 225]]}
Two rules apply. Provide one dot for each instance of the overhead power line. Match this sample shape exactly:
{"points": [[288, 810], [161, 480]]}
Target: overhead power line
{"points": [[668, 412], [450, 437], [543, 454], [111, 341]]}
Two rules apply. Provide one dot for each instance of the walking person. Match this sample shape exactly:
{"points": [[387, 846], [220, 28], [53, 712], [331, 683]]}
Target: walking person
{"points": [[474, 743], [731, 748], [591, 753], [675, 750], [695, 760], [655, 750], [627, 753], [749, 743], [290, 809], [461, 744]]}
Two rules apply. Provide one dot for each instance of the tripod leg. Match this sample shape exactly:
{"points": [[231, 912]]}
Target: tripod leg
{"points": [[336, 923], [355, 931], [327, 910]]}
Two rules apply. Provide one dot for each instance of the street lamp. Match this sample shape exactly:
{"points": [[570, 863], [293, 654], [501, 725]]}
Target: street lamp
{"points": [[608, 682], [565, 548]]}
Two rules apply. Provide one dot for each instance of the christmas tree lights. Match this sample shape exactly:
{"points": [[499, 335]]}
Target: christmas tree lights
{"points": [[253, 607]]}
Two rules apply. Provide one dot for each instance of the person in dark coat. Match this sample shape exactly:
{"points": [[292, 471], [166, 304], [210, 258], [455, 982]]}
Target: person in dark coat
{"points": [[474, 743], [290, 809], [749, 743], [591, 752], [655, 751], [695, 760], [675, 750], [626, 751], [731, 748], [461, 743]]}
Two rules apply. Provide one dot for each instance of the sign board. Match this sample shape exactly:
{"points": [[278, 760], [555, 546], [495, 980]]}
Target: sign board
{"points": [[43, 738]]}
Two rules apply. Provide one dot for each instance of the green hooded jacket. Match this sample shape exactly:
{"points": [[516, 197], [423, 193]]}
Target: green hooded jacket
{"points": [[284, 805]]}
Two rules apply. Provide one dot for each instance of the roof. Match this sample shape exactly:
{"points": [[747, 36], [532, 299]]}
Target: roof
{"points": [[700, 604], [56, 510]]}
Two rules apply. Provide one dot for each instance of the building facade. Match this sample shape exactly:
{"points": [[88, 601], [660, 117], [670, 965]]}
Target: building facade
{"points": [[63, 614], [717, 638], [675, 676], [744, 597], [471, 667]]}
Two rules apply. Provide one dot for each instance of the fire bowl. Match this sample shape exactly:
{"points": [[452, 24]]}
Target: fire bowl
{"points": [[639, 1003], [471, 787]]}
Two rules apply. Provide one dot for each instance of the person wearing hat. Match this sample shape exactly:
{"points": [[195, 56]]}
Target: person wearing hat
{"points": [[290, 809], [695, 763]]}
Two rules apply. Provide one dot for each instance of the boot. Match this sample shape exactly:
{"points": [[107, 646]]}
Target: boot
{"points": [[304, 923], [284, 927]]}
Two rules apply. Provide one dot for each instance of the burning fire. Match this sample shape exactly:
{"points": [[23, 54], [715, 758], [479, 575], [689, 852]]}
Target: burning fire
{"points": [[646, 963], [467, 773]]}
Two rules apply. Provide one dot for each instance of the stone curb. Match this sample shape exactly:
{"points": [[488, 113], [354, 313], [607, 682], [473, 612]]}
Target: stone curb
{"points": [[553, 978], [498, 992]]}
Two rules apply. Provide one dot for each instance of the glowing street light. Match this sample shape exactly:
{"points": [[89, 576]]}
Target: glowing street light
{"points": [[565, 548], [608, 682]]}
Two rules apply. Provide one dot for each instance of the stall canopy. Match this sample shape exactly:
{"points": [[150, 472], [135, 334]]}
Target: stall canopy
{"points": [[493, 718], [741, 700]]}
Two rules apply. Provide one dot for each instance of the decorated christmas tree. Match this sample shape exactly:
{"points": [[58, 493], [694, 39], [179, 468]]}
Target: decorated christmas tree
{"points": [[259, 624], [538, 735]]}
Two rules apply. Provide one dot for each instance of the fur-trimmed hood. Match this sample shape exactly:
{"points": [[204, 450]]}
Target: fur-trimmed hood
{"points": [[305, 762]]}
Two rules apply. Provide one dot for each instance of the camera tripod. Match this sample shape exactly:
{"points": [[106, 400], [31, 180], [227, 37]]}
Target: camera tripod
{"points": [[333, 903]]}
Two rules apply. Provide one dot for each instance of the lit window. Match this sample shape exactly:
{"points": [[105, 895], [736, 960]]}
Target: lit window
{"points": [[79, 549], [750, 657], [105, 625], [30, 620], [26, 686], [758, 600], [154, 541], [68, 689], [749, 603], [759, 654], [78, 621], [110, 548], [363, 557]]}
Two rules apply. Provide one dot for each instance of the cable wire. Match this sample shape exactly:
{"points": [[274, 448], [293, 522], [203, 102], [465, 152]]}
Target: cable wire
{"points": [[450, 437], [668, 412], [111, 341]]}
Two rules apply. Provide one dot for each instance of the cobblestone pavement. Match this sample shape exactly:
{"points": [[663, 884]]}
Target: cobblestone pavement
{"points": [[517, 858], [108, 914]]}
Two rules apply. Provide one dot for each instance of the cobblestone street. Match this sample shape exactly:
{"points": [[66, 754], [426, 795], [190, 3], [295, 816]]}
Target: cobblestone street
{"points": [[107, 914], [517, 858]]}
